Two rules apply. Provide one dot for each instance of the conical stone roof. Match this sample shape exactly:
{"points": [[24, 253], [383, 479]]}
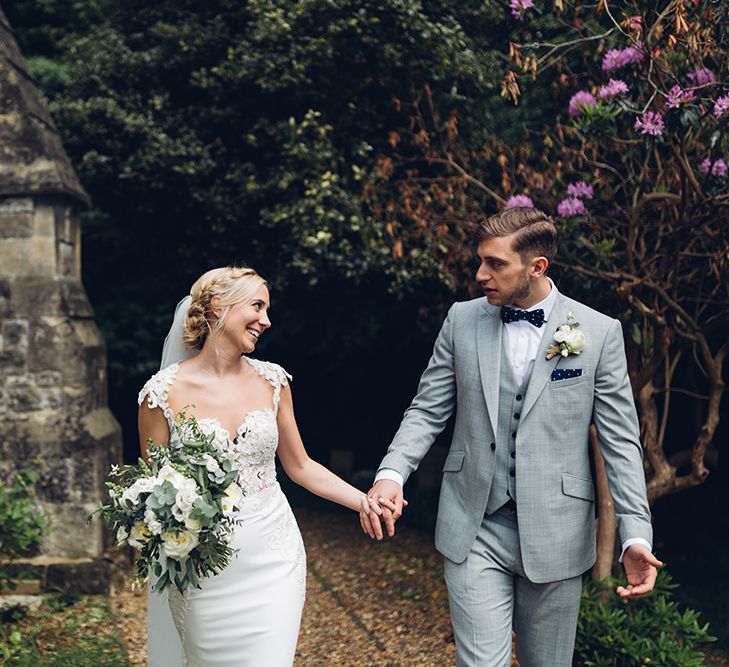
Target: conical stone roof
{"points": [[32, 159]]}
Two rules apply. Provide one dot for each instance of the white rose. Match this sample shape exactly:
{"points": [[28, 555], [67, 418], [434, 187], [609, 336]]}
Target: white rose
{"points": [[562, 332], [178, 543], [193, 524], [575, 341], [139, 536], [153, 523], [231, 499]]}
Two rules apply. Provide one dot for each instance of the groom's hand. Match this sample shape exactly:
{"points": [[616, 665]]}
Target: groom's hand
{"points": [[640, 566], [389, 495]]}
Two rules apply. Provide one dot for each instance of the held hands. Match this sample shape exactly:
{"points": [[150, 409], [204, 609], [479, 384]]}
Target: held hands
{"points": [[640, 566], [384, 502]]}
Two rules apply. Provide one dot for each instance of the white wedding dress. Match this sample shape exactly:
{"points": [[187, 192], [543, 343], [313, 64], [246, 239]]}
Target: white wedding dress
{"points": [[248, 615]]}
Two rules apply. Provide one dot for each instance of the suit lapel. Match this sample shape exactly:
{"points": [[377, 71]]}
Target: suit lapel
{"points": [[488, 346], [542, 369]]}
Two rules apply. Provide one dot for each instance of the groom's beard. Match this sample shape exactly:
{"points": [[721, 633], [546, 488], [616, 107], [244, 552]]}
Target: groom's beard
{"points": [[520, 292]]}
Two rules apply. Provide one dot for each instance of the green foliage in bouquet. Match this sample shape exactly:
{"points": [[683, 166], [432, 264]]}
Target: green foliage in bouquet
{"points": [[612, 632], [177, 508], [22, 525]]}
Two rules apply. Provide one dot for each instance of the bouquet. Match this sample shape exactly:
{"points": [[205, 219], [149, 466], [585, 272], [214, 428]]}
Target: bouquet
{"points": [[178, 507]]}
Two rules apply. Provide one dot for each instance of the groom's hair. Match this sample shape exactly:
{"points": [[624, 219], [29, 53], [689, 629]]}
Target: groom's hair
{"points": [[535, 234]]}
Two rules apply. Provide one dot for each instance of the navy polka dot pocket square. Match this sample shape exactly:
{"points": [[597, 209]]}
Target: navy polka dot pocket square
{"points": [[565, 373]]}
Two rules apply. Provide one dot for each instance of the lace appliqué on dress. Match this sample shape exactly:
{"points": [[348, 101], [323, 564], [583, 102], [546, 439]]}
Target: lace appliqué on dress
{"points": [[286, 536], [156, 390], [274, 373]]}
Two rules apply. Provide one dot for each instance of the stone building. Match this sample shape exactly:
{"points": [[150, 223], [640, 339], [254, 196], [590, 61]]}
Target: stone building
{"points": [[53, 396]]}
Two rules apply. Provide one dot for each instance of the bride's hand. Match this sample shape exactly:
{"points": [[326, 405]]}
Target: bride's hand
{"points": [[370, 513]]}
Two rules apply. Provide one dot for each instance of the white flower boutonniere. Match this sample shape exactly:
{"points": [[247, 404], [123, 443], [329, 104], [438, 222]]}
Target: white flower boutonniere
{"points": [[569, 339]]}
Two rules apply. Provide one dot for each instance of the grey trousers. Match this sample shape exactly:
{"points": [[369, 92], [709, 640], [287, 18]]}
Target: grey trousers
{"points": [[489, 595]]}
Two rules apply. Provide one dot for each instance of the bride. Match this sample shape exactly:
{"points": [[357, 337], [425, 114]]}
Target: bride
{"points": [[248, 614]]}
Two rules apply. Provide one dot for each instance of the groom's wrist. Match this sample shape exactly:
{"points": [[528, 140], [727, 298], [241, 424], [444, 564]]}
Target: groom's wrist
{"points": [[389, 473], [634, 540]]}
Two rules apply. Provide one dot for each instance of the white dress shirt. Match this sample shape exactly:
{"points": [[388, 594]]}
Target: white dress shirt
{"points": [[522, 341]]}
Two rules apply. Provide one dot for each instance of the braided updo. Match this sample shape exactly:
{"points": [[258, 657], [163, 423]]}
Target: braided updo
{"points": [[228, 285]]}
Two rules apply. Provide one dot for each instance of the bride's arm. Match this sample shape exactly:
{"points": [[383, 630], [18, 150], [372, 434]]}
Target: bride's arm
{"points": [[306, 472], [151, 423]]}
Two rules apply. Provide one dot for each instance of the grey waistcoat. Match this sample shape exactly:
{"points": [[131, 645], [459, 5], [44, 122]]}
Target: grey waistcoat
{"points": [[511, 400]]}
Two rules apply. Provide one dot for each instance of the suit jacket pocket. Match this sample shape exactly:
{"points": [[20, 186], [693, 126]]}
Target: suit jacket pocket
{"points": [[578, 487], [454, 462], [567, 382]]}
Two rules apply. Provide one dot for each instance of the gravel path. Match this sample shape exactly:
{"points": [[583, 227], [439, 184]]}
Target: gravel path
{"points": [[367, 604]]}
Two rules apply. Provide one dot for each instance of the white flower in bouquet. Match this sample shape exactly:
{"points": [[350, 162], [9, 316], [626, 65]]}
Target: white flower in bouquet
{"points": [[185, 498], [193, 524], [121, 535], [231, 499], [142, 485], [215, 472], [154, 525], [168, 474], [178, 543], [139, 535]]}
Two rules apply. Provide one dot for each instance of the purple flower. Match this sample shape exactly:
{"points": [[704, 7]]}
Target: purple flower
{"points": [[579, 102], [678, 96], [702, 76], [611, 60], [721, 106], [619, 58], [580, 190], [613, 88], [571, 207], [633, 54], [519, 7], [516, 201], [651, 122], [717, 167]]}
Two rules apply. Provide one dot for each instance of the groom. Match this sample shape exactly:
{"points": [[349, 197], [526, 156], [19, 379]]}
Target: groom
{"points": [[516, 517]]}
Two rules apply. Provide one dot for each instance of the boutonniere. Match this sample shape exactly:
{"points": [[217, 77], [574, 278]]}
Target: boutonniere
{"points": [[569, 339]]}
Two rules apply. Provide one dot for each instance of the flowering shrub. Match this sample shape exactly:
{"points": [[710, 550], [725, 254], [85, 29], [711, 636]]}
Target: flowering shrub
{"points": [[634, 167], [648, 113]]}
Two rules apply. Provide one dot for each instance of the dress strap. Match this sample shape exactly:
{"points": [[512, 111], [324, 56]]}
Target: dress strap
{"points": [[274, 373], [156, 392]]}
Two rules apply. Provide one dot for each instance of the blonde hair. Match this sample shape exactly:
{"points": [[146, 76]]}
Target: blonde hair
{"points": [[228, 285]]}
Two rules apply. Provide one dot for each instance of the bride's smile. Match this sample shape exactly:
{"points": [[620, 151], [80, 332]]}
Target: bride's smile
{"points": [[245, 322]]}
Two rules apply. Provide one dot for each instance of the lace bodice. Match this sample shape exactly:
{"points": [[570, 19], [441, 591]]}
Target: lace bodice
{"points": [[253, 446]]}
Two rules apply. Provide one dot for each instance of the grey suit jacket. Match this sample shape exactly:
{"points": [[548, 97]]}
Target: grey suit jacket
{"points": [[554, 484]]}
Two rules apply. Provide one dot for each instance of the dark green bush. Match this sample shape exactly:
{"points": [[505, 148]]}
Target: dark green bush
{"points": [[22, 525], [652, 630]]}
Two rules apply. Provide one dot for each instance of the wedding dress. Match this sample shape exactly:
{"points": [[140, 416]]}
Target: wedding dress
{"points": [[248, 614]]}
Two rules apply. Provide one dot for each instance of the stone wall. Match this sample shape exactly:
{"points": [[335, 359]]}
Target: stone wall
{"points": [[53, 397]]}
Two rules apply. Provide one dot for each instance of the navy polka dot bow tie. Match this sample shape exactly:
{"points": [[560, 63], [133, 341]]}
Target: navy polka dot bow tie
{"points": [[535, 317]]}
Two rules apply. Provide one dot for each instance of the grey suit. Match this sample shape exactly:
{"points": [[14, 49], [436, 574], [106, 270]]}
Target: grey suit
{"points": [[555, 493]]}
